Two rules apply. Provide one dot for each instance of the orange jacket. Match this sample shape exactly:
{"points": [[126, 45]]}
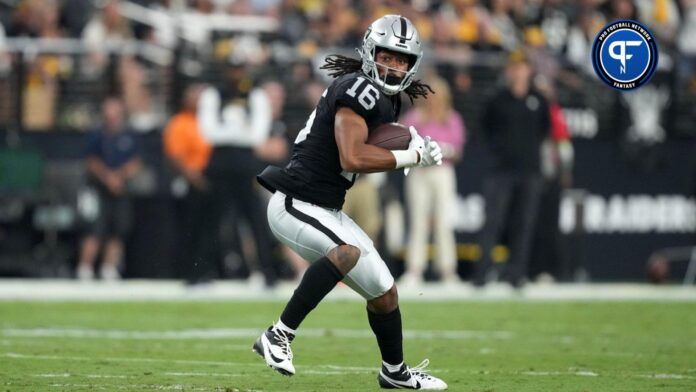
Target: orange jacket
{"points": [[184, 143]]}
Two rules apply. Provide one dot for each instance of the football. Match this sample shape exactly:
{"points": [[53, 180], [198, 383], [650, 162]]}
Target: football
{"points": [[392, 136]]}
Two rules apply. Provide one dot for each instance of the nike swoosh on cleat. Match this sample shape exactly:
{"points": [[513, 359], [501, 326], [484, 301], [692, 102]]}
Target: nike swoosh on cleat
{"points": [[274, 358], [401, 383]]}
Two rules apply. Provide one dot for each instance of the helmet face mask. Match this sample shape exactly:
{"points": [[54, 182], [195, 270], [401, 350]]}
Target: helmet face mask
{"points": [[393, 33]]}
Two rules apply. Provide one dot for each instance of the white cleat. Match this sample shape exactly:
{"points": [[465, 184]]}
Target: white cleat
{"points": [[274, 346], [410, 378], [110, 273], [84, 273]]}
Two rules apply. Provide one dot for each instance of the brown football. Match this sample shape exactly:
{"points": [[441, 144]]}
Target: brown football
{"points": [[392, 136]]}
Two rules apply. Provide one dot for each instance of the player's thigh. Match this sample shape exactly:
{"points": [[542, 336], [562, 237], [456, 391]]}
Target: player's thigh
{"points": [[370, 277], [313, 237]]}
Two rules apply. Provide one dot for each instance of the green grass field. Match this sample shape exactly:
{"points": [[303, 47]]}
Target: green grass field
{"points": [[474, 346]]}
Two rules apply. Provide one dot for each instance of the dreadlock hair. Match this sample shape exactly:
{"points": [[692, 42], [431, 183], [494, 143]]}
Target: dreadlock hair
{"points": [[339, 65]]}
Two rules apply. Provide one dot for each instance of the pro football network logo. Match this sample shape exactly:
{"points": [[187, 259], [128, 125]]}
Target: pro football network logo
{"points": [[624, 54]]}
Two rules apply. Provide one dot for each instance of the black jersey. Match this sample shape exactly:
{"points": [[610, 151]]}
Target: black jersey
{"points": [[314, 173]]}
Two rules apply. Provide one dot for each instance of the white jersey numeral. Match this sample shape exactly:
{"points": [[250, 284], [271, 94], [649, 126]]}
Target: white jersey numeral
{"points": [[368, 97]]}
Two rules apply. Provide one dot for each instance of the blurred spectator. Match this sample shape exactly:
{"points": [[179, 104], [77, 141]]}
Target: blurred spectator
{"points": [[503, 29], [580, 40], [275, 150], [661, 16], [6, 93], [189, 152], [443, 40], [42, 87], [25, 19], [549, 253], [302, 80], [686, 44], [203, 6], [133, 79], [113, 157], [472, 24], [234, 164], [4, 56], [431, 192], [621, 9], [554, 20], [293, 22], [362, 204], [541, 57], [515, 124], [48, 16], [338, 24], [106, 28], [75, 15]]}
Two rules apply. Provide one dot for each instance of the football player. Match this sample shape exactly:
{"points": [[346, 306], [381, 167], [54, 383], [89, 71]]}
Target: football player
{"points": [[305, 209]]}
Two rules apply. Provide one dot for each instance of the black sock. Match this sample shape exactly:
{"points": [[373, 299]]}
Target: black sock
{"points": [[387, 328], [318, 280]]}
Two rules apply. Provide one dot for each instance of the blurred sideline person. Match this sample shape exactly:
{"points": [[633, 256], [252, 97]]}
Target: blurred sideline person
{"points": [[112, 158], [305, 209], [516, 122], [189, 152], [235, 129], [274, 150], [363, 204], [432, 191], [549, 255]]}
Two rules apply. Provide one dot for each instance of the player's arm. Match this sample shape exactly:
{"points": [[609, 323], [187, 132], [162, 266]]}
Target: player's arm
{"points": [[356, 155]]}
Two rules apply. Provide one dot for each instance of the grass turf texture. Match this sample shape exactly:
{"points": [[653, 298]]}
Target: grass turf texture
{"points": [[536, 346]]}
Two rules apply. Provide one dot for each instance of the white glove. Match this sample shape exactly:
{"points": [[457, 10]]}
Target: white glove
{"points": [[428, 150], [432, 154], [418, 144]]}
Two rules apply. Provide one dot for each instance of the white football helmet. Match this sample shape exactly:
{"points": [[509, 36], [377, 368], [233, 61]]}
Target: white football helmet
{"points": [[395, 33]]}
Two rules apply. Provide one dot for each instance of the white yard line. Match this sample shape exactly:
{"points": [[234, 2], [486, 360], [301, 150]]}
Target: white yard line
{"points": [[125, 359], [588, 373], [199, 374], [582, 373], [65, 375], [668, 376], [156, 387], [232, 333], [171, 290], [330, 369], [337, 372]]}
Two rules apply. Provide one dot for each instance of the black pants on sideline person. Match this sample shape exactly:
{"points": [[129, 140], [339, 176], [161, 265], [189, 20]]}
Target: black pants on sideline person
{"points": [[232, 175], [198, 236], [512, 202], [237, 192]]}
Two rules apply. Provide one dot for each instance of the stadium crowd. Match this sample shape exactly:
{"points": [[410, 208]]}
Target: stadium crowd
{"points": [[262, 56], [556, 33]]}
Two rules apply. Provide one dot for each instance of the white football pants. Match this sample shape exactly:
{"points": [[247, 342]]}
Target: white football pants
{"points": [[312, 232]]}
